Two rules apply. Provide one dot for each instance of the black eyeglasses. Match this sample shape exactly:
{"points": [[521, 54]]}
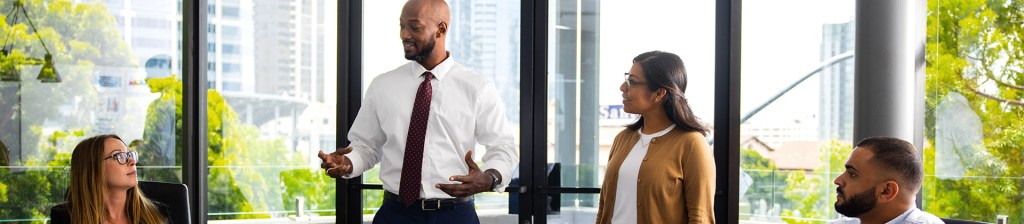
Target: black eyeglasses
{"points": [[122, 157], [631, 83]]}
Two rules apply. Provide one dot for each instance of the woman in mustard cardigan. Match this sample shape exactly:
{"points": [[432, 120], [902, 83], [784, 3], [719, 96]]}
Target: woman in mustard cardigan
{"points": [[660, 169]]}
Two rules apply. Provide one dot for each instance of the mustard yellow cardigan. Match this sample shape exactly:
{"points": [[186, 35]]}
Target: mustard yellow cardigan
{"points": [[676, 183]]}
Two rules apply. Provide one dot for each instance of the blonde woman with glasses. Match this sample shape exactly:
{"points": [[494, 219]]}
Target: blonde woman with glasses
{"points": [[104, 186]]}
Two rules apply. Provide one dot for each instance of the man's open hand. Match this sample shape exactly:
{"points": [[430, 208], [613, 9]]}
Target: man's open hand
{"points": [[472, 183], [336, 164]]}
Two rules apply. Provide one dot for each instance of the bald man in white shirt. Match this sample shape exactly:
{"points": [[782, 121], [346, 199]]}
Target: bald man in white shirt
{"points": [[419, 122]]}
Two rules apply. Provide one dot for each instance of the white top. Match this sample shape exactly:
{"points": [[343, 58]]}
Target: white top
{"points": [[465, 110], [625, 195], [911, 216]]}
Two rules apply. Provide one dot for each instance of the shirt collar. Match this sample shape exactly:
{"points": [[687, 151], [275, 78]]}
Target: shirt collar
{"points": [[903, 217], [439, 71]]}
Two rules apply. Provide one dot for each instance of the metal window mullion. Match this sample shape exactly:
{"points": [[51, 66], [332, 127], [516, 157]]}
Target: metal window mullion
{"points": [[349, 207], [194, 107], [727, 109], [534, 53]]}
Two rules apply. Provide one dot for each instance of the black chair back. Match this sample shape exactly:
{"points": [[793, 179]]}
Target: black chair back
{"points": [[957, 221], [172, 199]]}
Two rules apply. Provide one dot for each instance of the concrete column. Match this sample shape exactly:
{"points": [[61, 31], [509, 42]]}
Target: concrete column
{"points": [[889, 70]]}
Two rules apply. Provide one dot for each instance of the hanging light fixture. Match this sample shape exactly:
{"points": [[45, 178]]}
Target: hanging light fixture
{"points": [[48, 73], [8, 70], [9, 66]]}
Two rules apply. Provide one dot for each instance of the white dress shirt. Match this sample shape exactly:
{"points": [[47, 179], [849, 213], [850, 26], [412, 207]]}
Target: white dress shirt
{"points": [[911, 216], [629, 173], [465, 110]]}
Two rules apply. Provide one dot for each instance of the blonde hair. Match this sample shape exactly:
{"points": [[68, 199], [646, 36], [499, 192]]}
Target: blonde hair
{"points": [[85, 193]]}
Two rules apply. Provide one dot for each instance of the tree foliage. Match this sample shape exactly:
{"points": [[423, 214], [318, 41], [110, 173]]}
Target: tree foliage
{"points": [[242, 181], [765, 194], [975, 48], [74, 33], [246, 178], [813, 193], [44, 186]]}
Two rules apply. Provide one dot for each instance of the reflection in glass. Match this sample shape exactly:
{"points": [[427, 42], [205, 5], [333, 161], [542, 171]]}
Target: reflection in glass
{"points": [[973, 110], [103, 88], [797, 105], [272, 108], [592, 44]]}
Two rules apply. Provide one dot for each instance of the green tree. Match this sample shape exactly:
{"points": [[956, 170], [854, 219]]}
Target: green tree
{"points": [[74, 34], [240, 193], [975, 49], [813, 193], [311, 184], [45, 187], [767, 181], [244, 178]]}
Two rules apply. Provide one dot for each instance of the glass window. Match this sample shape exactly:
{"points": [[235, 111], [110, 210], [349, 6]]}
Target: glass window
{"points": [[592, 44], [109, 80], [494, 54], [974, 162], [231, 32], [795, 136], [150, 42], [267, 130], [232, 86], [158, 24], [231, 67], [230, 12], [231, 49]]}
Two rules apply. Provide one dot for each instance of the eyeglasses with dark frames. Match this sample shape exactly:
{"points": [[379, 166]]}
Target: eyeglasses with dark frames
{"points": [[631, 83], [122, 157]]}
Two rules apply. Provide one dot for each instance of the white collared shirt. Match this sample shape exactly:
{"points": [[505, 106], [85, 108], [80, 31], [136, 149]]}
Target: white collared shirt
{"points": [[465, 110], [629, 174], [911, 216]]}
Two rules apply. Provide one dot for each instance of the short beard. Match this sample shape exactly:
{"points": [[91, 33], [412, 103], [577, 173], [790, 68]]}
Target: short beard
{"points": [[425, 53], [857, 204]]}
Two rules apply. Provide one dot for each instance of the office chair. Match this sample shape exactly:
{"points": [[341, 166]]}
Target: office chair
{"points": [[172, 199], [957, 221]]}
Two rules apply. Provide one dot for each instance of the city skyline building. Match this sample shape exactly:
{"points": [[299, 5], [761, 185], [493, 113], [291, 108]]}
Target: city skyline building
{"points": [[480, 31], [266, 58], [836, 83], [290, 48]]}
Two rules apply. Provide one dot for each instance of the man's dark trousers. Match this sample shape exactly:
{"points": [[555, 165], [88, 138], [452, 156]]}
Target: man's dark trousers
{"points": [[393, 211]]}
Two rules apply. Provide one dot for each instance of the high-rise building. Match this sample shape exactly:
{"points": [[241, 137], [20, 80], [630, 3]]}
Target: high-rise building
{"points": [[266, 58], [152, 30], [230, 53], [290, 48], [480, 31], [836, 96]]}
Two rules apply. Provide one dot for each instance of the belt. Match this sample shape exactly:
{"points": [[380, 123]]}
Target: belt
{"points": [[430, 204]]}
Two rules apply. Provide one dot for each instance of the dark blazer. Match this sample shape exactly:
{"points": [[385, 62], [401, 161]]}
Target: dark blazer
{"points": [[60, 215]]}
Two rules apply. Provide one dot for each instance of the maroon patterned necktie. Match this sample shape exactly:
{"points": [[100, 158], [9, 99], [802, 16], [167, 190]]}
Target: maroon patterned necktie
{"points": [[409, 187]]}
